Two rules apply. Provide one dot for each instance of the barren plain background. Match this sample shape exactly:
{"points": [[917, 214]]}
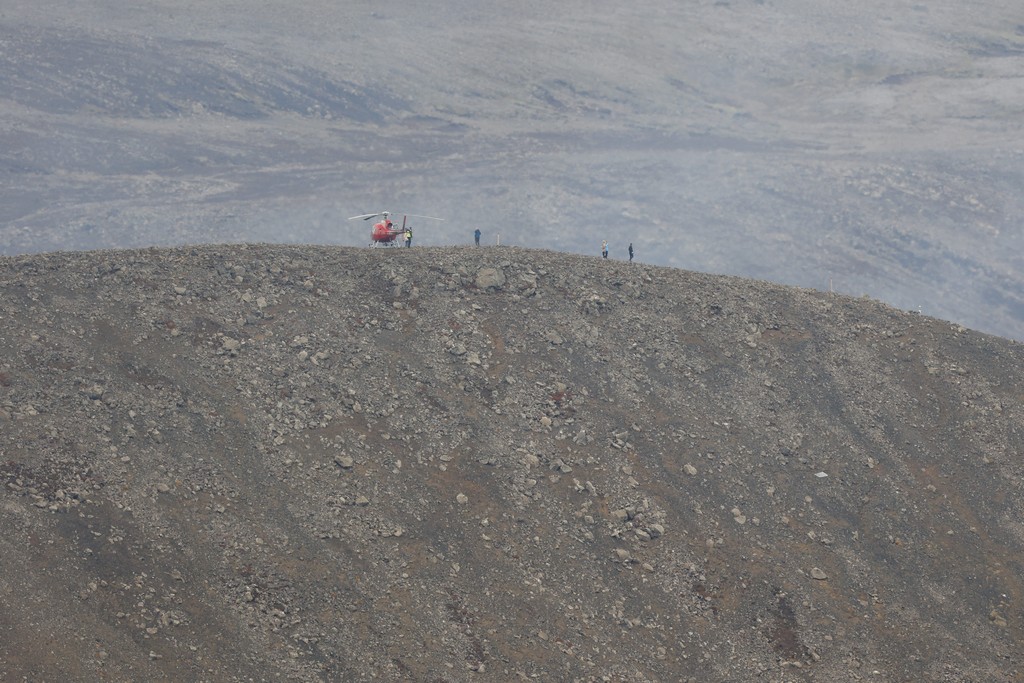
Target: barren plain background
{"points": [[237, 445], [872, 147]]}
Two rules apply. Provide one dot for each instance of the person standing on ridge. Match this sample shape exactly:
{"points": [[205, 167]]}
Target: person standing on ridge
{"points": [[408, 237], [476, 236], [604, 249], [630, 252]]}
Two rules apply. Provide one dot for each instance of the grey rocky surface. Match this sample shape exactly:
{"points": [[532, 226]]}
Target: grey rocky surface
{"points": [[254, 462], [871, 148]]}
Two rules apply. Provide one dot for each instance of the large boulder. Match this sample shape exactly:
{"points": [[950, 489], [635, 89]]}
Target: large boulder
{"points": [[489, 278]]}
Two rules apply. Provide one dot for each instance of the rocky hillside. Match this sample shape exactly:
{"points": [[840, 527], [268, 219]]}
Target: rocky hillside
{"points": [[322, 464]]}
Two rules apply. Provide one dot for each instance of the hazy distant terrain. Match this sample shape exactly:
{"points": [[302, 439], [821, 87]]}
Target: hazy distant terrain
{"points": [[874, 148], [308, 463]]}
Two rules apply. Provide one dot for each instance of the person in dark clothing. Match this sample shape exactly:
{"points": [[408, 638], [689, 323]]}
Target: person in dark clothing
{"points": [[630, 251], [476, 236]]}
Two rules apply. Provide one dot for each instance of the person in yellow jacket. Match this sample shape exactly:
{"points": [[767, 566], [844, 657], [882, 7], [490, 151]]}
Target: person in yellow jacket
{"points": [[408, 237]]}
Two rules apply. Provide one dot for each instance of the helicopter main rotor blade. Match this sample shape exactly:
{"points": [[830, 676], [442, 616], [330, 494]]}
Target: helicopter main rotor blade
{"points": [[413, 215], [366, 216]]}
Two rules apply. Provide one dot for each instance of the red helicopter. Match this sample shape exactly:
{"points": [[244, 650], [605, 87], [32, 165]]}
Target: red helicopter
{"points": [[384, 232]]}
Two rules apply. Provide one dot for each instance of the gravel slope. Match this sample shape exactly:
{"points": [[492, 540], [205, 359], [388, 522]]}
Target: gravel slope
{"points": [[254, 462]]}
